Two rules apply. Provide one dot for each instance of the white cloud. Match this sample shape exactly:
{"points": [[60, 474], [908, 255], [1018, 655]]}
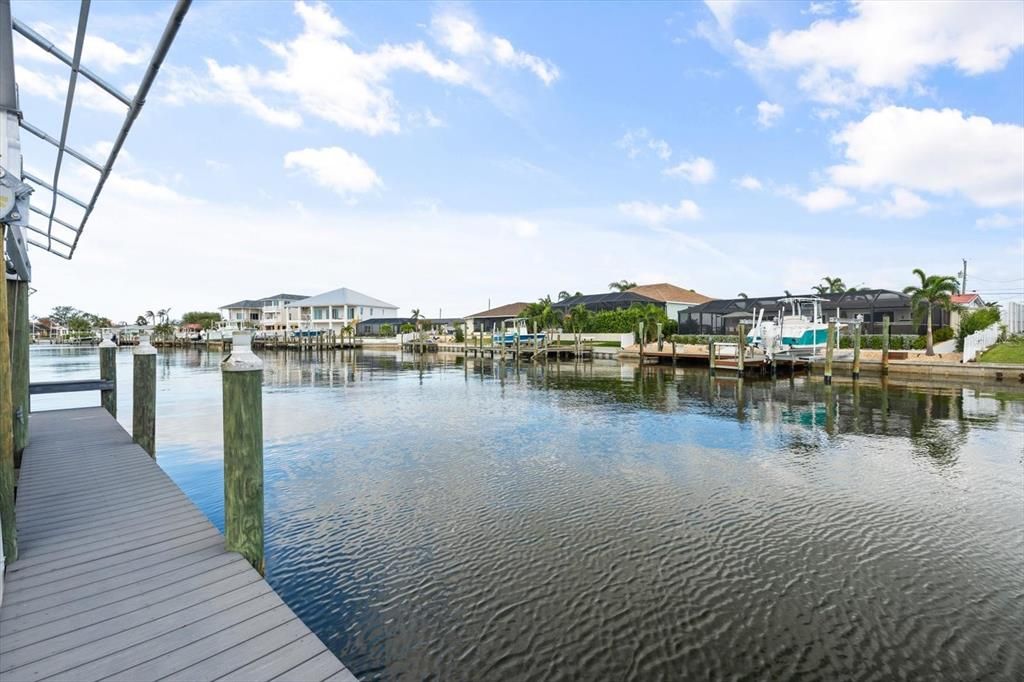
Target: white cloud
{"points": [[934, 151], [750, 182], [768, 113], [321, 76], [98, 53], [840, 61], [824, 199], [902, 203], [657, 214], [821, 8], [638, 139], [334, 168], [826, 113], [724, 11], [54, 87], [460, 35], [998, 221], [698, 170]]}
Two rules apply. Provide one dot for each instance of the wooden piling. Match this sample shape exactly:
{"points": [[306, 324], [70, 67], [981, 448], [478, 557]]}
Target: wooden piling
{"points": [[7, 484], [20, 334], [856, 351], [830, 345], [673, 352], [242, 380], [144, 395], [108, 372], [741, 348], [885, 346], [711, 354], [661, 338], [640, 327]]}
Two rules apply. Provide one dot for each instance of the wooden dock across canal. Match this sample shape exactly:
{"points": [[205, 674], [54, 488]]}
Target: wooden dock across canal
{"points": [[120, 576]]}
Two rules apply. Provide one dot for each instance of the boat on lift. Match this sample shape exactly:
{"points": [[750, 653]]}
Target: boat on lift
{"points": [[798, 327], [517, 329]]}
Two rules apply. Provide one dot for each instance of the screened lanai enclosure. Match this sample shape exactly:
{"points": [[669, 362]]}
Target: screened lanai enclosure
{"points": [[723, 316]]}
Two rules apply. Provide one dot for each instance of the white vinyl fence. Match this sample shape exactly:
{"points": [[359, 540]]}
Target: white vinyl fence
{"points": [[977, 342], [1014, 318]]}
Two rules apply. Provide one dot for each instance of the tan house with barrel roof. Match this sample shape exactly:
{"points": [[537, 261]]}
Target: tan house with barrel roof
{"points": [[675, 298]]}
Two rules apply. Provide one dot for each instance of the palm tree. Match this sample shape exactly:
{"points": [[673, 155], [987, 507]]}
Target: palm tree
{"points": [[821, 289], [563, 294], [151, 315], [835, 284], [934, 290], [621, 285], [741, 295], [415, 317]]}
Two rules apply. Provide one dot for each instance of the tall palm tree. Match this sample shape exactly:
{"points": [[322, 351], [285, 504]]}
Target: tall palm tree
{"points": [[741, 295], [563, 294], [934, 290], [151, 315], [621, 285], [821, 289], [415, 317], [835, 284]]}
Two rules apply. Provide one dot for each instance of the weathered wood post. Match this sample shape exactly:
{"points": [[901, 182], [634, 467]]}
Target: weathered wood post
{"points": [[640, 330], [108, 372], [856, 350], [661, 339], [10, 537], [741, 347], [711, 353], [144, 395], [830, 345], [673, 352], [20, 333], [242, 380], [885, 346]]}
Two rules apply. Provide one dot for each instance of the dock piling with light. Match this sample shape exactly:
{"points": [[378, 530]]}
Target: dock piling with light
{"points": [[108, 372], [144, 395], [242, 380]]}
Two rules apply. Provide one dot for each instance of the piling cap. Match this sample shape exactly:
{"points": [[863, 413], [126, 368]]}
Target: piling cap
{"points": [[241, 359], [108, 341], [144, 347]]}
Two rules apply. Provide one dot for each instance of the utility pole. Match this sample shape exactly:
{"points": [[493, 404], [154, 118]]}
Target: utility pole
{"points": [[963, 289]]}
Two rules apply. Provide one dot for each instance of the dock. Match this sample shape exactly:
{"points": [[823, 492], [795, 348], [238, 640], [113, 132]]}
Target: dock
{"points": [[120, 576], [525, 352]]}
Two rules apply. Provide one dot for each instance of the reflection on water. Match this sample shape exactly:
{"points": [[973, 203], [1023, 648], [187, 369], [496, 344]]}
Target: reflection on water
{"points": [[430, 518]]}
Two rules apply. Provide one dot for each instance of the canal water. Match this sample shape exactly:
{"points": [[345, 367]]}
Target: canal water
{"points": [[431, 520]]}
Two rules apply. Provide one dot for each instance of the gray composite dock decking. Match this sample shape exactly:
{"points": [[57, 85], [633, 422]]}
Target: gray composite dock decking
{"points": [[120, 576]]}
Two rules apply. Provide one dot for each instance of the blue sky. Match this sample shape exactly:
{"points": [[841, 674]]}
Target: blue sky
{"points": [[442, 155]]}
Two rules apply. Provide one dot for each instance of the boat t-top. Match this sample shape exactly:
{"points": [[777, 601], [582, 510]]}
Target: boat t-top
{"points": [[797, 327]]}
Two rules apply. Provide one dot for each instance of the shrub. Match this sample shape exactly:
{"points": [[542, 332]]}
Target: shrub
{"points": [[460, 335], [975, 321]]}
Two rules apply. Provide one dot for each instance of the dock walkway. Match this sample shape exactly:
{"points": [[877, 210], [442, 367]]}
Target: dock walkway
{"points": [[120, 576]]}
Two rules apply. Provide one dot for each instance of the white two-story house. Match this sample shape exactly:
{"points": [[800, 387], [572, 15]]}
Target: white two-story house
{"points": [[337, 309], [265, 314]]}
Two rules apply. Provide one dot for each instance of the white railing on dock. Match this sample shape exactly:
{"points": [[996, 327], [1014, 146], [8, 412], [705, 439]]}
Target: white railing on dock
{"points": [[976, 343]]}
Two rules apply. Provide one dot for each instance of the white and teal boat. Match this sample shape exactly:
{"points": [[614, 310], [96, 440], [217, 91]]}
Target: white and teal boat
{"points": [[517, 329], [798, 327]]}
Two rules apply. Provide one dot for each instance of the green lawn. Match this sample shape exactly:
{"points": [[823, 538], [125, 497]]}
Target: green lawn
{"points": [[1007, 352]]}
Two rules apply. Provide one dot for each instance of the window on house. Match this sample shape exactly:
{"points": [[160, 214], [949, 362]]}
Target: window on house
{"points": [[254, 317]]}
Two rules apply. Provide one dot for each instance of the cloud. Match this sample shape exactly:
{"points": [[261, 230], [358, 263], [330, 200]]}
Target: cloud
{"points": [[823, 199], [698, 170], [935, 151], [839, 61], [750, 182], [655, 214], [724, 11], [461, 36], [322, 76], [820, 8], [98, 53], [637, 140], [768, 113], [334, 168], [902, 203], [998, 221], [54, 88]]}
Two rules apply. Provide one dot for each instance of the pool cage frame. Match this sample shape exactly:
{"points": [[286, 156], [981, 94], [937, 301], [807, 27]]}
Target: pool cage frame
{"points": [[18, 184]]}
